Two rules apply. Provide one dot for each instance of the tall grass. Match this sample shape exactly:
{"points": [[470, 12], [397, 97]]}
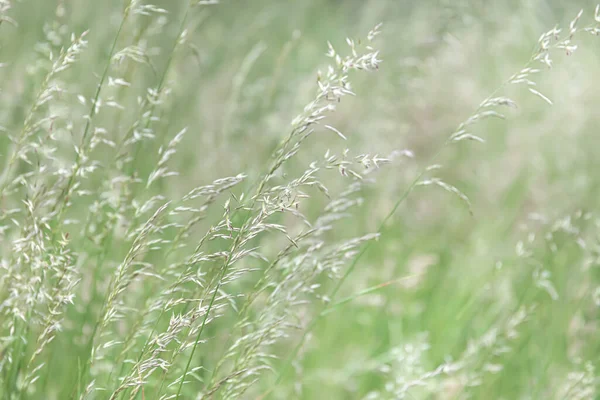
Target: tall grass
{"points": [[167, 233]]}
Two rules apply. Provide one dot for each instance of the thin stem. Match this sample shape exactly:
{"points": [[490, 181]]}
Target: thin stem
{"points": [[92, 113], [381, 232], [210, 305], [86, 131]]}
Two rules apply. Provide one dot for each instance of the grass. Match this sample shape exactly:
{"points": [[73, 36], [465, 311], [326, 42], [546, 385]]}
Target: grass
{"points": [[230, 201]]}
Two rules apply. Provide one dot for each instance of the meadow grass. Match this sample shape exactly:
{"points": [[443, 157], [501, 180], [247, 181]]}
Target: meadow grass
{"points": [[204, 199]]}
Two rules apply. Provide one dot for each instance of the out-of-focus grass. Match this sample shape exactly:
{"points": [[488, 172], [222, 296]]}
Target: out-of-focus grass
{"points": [[249, 69]]}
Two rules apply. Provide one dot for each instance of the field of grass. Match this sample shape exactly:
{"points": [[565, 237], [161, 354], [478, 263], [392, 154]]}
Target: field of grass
{"points": [[316, 199]]}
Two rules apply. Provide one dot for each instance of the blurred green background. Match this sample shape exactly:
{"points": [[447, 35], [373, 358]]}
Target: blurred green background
{"points": [[249, 67]]}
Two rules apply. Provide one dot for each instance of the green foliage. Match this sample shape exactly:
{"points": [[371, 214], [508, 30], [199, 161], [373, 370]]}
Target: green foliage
{"points": [[202, 200]]}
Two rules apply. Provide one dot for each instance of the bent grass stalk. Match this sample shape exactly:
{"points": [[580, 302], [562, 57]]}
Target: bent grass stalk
{"points": [[66, 190], [540, 55], [137, 239], [153, 105], [301, 127]]}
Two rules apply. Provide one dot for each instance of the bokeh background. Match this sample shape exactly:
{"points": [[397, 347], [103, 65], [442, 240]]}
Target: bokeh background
{"points": [[450, 279]]}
